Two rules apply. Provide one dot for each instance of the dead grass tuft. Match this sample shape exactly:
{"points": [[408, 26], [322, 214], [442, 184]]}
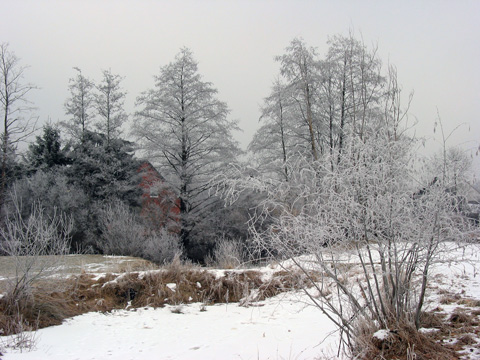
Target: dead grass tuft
{"points": [[461, 317], [402, 343], [466, 339], [470, 302], [431, 320], [449, 299]]}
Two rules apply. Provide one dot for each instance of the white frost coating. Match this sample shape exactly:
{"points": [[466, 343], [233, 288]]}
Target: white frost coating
{"points": [[382, 334], [172, 286]]}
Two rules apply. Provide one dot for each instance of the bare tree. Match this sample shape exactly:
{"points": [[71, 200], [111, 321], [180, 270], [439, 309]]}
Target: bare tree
{"points": [[321, 104], [184, 129], [15, 108], [275, 142], [109, 103], [79, 105], [299, 66]]}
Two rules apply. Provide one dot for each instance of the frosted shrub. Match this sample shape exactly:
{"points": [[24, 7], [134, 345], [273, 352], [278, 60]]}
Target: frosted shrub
{"points": [[123, 233], [370, 231], [37, 242], [228, 254], [161, 247]]}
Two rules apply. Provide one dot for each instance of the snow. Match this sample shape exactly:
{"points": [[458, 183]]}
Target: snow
{"points": [[283, 327], [172, 286], [381, 334], [278, 328]]}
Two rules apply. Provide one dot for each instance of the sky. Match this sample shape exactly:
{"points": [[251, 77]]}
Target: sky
{"points": [[435, 46]]}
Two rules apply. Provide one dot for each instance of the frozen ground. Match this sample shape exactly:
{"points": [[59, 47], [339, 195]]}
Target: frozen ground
{"points": [[279, 328], [283, 327]]}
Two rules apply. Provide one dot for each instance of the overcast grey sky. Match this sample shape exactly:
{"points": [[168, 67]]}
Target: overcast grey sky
{"points": [[434, 44]]}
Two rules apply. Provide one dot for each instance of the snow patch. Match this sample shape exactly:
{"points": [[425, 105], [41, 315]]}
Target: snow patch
{"points": [[382, 334], [172, 286]]}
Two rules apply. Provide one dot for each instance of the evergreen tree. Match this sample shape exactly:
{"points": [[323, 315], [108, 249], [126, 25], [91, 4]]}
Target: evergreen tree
{"points": [[105, 172], [46, 151]]}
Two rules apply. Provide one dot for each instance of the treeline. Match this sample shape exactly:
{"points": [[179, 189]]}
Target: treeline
{"points": [[83, 166], [320, 110]]}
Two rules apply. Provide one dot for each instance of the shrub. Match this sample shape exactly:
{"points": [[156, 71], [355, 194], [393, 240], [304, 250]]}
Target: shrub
{"points": [[228, 254], [124, 233], [161, 247]]}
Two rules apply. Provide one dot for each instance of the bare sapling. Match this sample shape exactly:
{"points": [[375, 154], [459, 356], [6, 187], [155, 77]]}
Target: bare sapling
{"points": [[37, 242]]}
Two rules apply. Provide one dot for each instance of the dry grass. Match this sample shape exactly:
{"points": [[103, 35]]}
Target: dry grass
{"points": [[449, 299], [402, 343], [175, 284], [452, 334]]}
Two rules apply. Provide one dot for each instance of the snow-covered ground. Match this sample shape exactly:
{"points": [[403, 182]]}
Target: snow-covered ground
{"points": [[278, 328], [283, 327]]}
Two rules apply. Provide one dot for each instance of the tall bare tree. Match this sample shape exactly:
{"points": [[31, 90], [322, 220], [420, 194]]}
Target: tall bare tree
{"points": [[184, 129], [15, 107], [299, 66], [79, 105], [275, 142], [109, 103]]}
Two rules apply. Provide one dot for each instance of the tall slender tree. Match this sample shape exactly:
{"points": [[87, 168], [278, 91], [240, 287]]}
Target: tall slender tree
{"points": [[299, 67], [275, 143], [79, 106], [109, 103], [15, 109], [184, 129]]}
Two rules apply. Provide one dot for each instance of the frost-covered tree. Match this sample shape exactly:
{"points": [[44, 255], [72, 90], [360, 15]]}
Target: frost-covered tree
{"points": [[299, 67], [79, 105], [321, 104], [184, 129], [369, 237], [109, 102], [15, 110], [350, 92], [275, 142]]}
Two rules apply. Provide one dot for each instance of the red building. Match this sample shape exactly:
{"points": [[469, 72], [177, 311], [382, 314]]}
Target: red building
{"points": [[160, 204]]}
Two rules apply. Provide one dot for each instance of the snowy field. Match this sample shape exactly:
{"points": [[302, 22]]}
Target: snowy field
{"points": [[283, 327], [279, 328]]}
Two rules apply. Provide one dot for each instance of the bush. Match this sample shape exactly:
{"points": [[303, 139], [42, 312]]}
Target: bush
{"points": [[228, 254], [52, 191], [123, 233], [161, 247], [30, 240], [37, 242]]}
